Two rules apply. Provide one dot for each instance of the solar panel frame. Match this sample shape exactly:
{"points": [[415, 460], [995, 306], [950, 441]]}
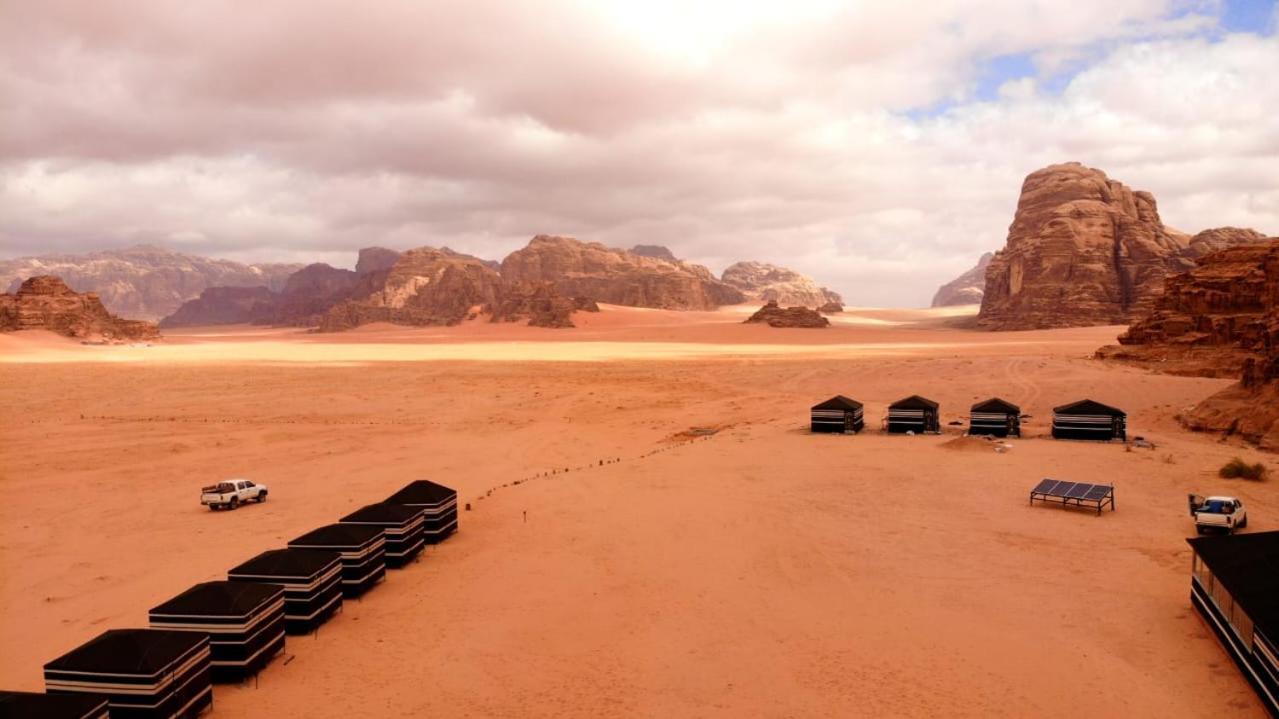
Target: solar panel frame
{"points": [[1074, 494]]}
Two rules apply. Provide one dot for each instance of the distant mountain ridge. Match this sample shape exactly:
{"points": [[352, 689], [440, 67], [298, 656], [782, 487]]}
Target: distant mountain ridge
{"points": [[143, 281]]}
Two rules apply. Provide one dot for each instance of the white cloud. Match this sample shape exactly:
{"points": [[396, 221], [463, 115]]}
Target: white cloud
{"points": [[726, 131]]}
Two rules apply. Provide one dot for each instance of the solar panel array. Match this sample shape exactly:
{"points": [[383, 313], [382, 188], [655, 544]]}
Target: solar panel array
{"points": [[1073, 490]]}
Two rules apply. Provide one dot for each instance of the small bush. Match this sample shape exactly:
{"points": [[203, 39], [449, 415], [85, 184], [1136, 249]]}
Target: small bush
{"points": [[1239, 469]]}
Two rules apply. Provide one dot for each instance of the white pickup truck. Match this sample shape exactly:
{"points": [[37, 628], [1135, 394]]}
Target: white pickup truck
{"points": [[1225, 513], [231, 493]]}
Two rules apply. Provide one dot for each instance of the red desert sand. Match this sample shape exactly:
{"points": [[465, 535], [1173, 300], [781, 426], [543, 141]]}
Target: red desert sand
{"points": [[761, 571]]}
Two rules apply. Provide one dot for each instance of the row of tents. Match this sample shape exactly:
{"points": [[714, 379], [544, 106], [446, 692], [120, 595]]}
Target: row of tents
{"points": [[1085, 419], [228, 630]]}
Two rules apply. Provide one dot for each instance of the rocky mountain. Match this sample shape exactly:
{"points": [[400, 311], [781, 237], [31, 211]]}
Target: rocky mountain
{"points": [[143, 281], [1084, 249], [1220, 238], [45, 302], [1249, 408], [1209, 321], [770, 283], [775, 316], [655, 251], [373, 259], [604, 274], [540, 305], [225, 306], [967, 289]]}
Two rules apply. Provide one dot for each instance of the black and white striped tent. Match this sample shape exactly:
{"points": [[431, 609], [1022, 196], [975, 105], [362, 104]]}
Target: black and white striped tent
{"points": [[312, 582], [143, 673], [914, 414], [837, 414], [401, 524], [1087, 419], [33, 705], [244, 621], [363, 550], [995, 417], [439, 503]]}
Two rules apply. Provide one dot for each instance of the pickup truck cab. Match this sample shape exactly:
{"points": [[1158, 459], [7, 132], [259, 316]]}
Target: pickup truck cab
{"points": [[232, 493], [1225, 513]]}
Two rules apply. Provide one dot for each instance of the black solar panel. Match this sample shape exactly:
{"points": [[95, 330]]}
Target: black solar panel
{"points": [[1079, 490], [1098, 491], [1063, 489], [1045, 486]]}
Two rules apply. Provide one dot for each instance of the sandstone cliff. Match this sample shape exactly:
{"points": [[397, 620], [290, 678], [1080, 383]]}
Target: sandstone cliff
{"points": [[1251, 407], [657, 251], [775, 316], [762, 281], [540, 305], [604, 274], [143, 281], [373, 259], [225, 306], [967, 289], [1082, 250], [47, 303]]}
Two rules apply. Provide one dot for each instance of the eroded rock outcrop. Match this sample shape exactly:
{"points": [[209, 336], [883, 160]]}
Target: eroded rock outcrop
{"points": [[1083, 250], [831, 308], [589, 269], [540, 305], [776, 316], [660, 252], [46, 302], [967, 289], [770, 283], [373, 259], [145, 282], [1221, 238], [225, 306]]}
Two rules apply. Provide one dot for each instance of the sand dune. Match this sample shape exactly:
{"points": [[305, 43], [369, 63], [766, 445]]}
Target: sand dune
{"points": [[762, 571]]}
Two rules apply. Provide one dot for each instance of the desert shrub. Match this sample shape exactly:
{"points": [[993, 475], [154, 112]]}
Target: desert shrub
{"points": [[1239, 469]]}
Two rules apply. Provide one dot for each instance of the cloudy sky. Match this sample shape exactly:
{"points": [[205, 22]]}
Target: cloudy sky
{"points": [[874, 145]]}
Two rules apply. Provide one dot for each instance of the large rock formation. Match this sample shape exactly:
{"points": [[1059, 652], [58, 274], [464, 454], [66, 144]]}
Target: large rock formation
{"points": [[775, 316], [425, 286], [225, 306], [657, 251], [770, 283], [967, 289], [1251, 407], [47, 303], [604, 274], [143, 281], [1083, 250], [541, 305], [1208, 321], [373, 259], [1220, 238]]}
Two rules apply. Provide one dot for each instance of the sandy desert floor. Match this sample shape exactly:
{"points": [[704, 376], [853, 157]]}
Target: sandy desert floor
{"points": [[763, 571]]}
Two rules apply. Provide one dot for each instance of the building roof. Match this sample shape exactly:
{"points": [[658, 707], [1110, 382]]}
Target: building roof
{"points": [[52, 706], [339, 535], [995, 404], [1088, 406], [222, 598], [914, 402], [138, 652], [1248, 566], [422, 491], [839, 401], [384, 513], [290, 563]]}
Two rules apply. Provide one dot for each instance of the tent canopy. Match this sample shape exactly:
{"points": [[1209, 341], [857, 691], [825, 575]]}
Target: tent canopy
{"points": [[52, 706], [839, 401], [1248, 566], [144, 652], [340, 535], [914, 402], [995, 405], [290, 563], [422, 491], [234, 599], [1088, 406], [384, 512]]}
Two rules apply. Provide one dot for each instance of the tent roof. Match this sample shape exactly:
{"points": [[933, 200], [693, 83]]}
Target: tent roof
{"points": [[914, 402], [1248, 566], [1088, 406], [422, 491], [141, 652], [385, 512], [290, 563], [52, 706], [341, 535], [236, 599], [839, 401], [995, 404]]}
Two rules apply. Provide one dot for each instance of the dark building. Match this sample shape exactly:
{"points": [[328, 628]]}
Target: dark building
{"points": [[33, 705], [312, 582], [995, 417], [1087, 419], [244, 621], [143, 673], [838, 414], [914, 414], [438, 504], [363, 550], [1235, 586], [401, 526]]}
